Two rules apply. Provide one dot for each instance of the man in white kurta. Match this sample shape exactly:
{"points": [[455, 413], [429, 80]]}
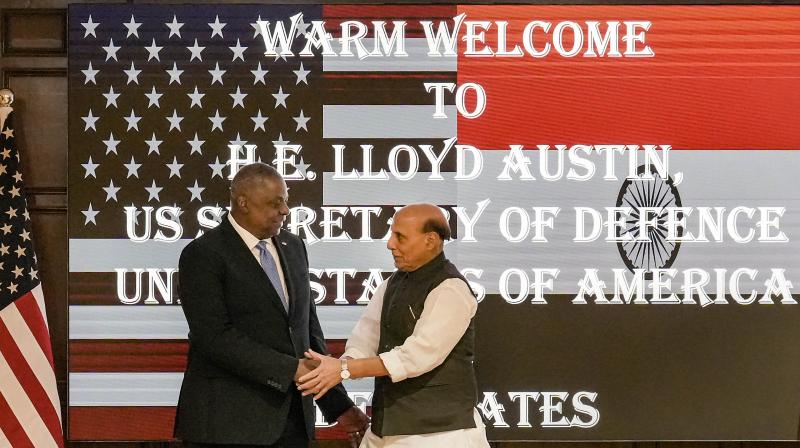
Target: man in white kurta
{"points": [[417, 338], [448, 310]]}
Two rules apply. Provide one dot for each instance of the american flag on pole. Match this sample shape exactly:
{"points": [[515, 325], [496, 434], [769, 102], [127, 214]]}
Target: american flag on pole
{"points": [[30, 413]]}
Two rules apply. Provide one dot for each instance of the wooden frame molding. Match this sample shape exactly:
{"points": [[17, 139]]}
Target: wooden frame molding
{"points": [[6, 15]]}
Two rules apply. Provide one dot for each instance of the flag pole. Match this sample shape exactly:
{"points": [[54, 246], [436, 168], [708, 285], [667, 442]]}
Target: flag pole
{"points": [[6, 99]]}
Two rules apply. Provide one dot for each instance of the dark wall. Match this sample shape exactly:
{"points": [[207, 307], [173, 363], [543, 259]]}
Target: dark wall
{"points": [[34, 65]]}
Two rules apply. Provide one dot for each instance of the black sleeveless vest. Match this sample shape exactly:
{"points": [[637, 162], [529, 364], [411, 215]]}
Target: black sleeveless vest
{"points": [[442, 399]]}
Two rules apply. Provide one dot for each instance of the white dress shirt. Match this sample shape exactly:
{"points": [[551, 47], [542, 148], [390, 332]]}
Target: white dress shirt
{"points": [[252, 243], [445, 317]]}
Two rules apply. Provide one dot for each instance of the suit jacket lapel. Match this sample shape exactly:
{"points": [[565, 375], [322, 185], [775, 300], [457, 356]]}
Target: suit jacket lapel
{"points": [[288, 260], [244, 258]]}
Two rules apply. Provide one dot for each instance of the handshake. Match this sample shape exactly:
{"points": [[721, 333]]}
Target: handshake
{"points": [[316, 374]]}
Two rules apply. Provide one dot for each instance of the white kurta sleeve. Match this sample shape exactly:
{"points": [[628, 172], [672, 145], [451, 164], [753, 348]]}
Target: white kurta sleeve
{"points": [[445, 317], [363, 342]]}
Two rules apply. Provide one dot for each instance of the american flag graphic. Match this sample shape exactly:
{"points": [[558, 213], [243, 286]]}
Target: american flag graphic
{"points": [[30, 411], [157, 95]]}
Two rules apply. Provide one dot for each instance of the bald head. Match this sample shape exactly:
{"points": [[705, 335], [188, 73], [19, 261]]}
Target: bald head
{"points": [[418, 235], [430, 216]]}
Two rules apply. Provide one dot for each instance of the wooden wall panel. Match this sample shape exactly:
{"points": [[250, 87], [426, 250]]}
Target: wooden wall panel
{"points": [[50, 239], [41, 110], [34, 32]]}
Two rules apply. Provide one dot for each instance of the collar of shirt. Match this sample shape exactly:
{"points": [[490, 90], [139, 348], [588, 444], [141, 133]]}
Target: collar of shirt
{"points": [[251, 242], [249, 239], [431, 266]]}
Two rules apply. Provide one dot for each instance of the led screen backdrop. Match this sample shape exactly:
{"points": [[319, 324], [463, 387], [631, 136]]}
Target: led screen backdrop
{"points": [[621, 181]]}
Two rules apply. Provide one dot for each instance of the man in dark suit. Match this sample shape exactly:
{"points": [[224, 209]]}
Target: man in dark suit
{"points": [[244, 289]]}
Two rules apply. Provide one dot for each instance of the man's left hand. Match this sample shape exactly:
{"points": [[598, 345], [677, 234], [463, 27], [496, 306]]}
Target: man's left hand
{"points": [[305, 366], [354, 422], [323, 378]]}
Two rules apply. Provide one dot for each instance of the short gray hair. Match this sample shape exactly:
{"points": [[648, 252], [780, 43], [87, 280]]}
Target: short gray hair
{"points": [[250, 175]]}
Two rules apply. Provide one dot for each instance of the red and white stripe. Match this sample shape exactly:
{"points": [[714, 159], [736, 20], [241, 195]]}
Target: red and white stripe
{"points": [[30, 413]]}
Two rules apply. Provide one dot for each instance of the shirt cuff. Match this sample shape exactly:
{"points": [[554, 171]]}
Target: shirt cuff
{"points": [[354, 353], [394, 365]]}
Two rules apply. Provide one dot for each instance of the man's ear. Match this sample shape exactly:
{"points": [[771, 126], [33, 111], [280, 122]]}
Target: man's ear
{"points": [[431, 240], [241, 201]]}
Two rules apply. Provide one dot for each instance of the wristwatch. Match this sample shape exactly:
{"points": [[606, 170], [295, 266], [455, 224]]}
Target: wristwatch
{"points": [[345, 374]]}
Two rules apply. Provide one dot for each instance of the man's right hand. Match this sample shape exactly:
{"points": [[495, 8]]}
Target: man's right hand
{"points": [[355, 423], [304, 366]]}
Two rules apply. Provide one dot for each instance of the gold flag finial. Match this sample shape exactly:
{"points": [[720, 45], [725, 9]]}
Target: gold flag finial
{"points": [[6, 97]]}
